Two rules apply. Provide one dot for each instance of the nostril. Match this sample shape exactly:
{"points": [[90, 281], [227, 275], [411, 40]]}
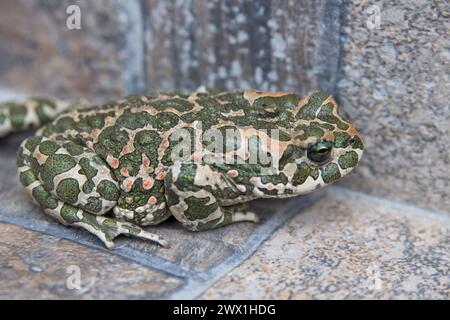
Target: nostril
{"points": [[352, 140]]}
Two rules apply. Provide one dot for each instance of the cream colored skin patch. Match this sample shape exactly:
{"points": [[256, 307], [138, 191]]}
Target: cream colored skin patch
{"points": [[109, 169]]}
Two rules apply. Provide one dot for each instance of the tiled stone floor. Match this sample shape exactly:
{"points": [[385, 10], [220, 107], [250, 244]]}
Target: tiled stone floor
{"points": [[348, 246]]}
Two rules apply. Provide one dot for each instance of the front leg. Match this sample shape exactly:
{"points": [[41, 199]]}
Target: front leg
{"points": [[194, 194]]}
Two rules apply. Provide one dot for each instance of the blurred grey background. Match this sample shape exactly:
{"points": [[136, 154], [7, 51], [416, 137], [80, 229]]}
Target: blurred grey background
{"points": [[387, 63]]}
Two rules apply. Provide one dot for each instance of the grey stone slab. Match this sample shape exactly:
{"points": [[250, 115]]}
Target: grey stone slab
{"points": [[201, 257], [348, 246], [394, 85], [38, 266]]}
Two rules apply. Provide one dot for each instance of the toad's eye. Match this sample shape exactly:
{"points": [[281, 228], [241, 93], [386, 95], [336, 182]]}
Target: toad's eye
{"points": [[319, 152]]}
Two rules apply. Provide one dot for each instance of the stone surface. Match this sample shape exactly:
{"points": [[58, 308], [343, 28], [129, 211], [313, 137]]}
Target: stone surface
{"points": [[348, 246], [40, 55], [394, 85], [266, 44], [38, 266]]}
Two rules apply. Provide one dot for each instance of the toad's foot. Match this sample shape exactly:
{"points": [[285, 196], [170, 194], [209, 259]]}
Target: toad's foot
{"points": [[107, 229]]}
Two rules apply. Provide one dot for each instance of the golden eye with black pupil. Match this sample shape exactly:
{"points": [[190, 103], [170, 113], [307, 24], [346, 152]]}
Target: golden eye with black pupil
{"points": [[319, 152]]}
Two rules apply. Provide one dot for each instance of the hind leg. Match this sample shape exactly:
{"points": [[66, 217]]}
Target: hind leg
{"points": [[75, 186], [193, 193]]}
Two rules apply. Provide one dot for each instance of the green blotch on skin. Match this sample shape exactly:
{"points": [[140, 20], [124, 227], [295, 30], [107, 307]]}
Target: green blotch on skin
{"points": [[53, 166], [139, 199], [189, 117], [301, 174], [86, 168], [110, 225], [69, 214], [73, 149], [341, 139], [108, 190], [32, 142], [135, 99], [236, 97], [311, 131], [131, 161], [88, 186], [288, 101], [132, 229], [44, 198], [96, 121], [326, 114], [64, 123], [280, 178], [146, 141], [209, 103], [93, 205], [34, 165], [87, 123], [48, 147], [166, 121], [27, 177], [175, 103], [17, 114], [68, 190], [348, 160], [198, 208], [326, 126], [111, 140], [330, 173], [308, 111], [134, 120], [358, 144]]}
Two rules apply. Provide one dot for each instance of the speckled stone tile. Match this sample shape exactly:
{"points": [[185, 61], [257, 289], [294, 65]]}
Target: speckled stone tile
{"points": [[348, 246], [394, 85], [41, 55], [38, 266]]}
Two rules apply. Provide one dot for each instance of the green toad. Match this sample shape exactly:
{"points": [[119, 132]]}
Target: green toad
{"points": [[114, 168]]}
